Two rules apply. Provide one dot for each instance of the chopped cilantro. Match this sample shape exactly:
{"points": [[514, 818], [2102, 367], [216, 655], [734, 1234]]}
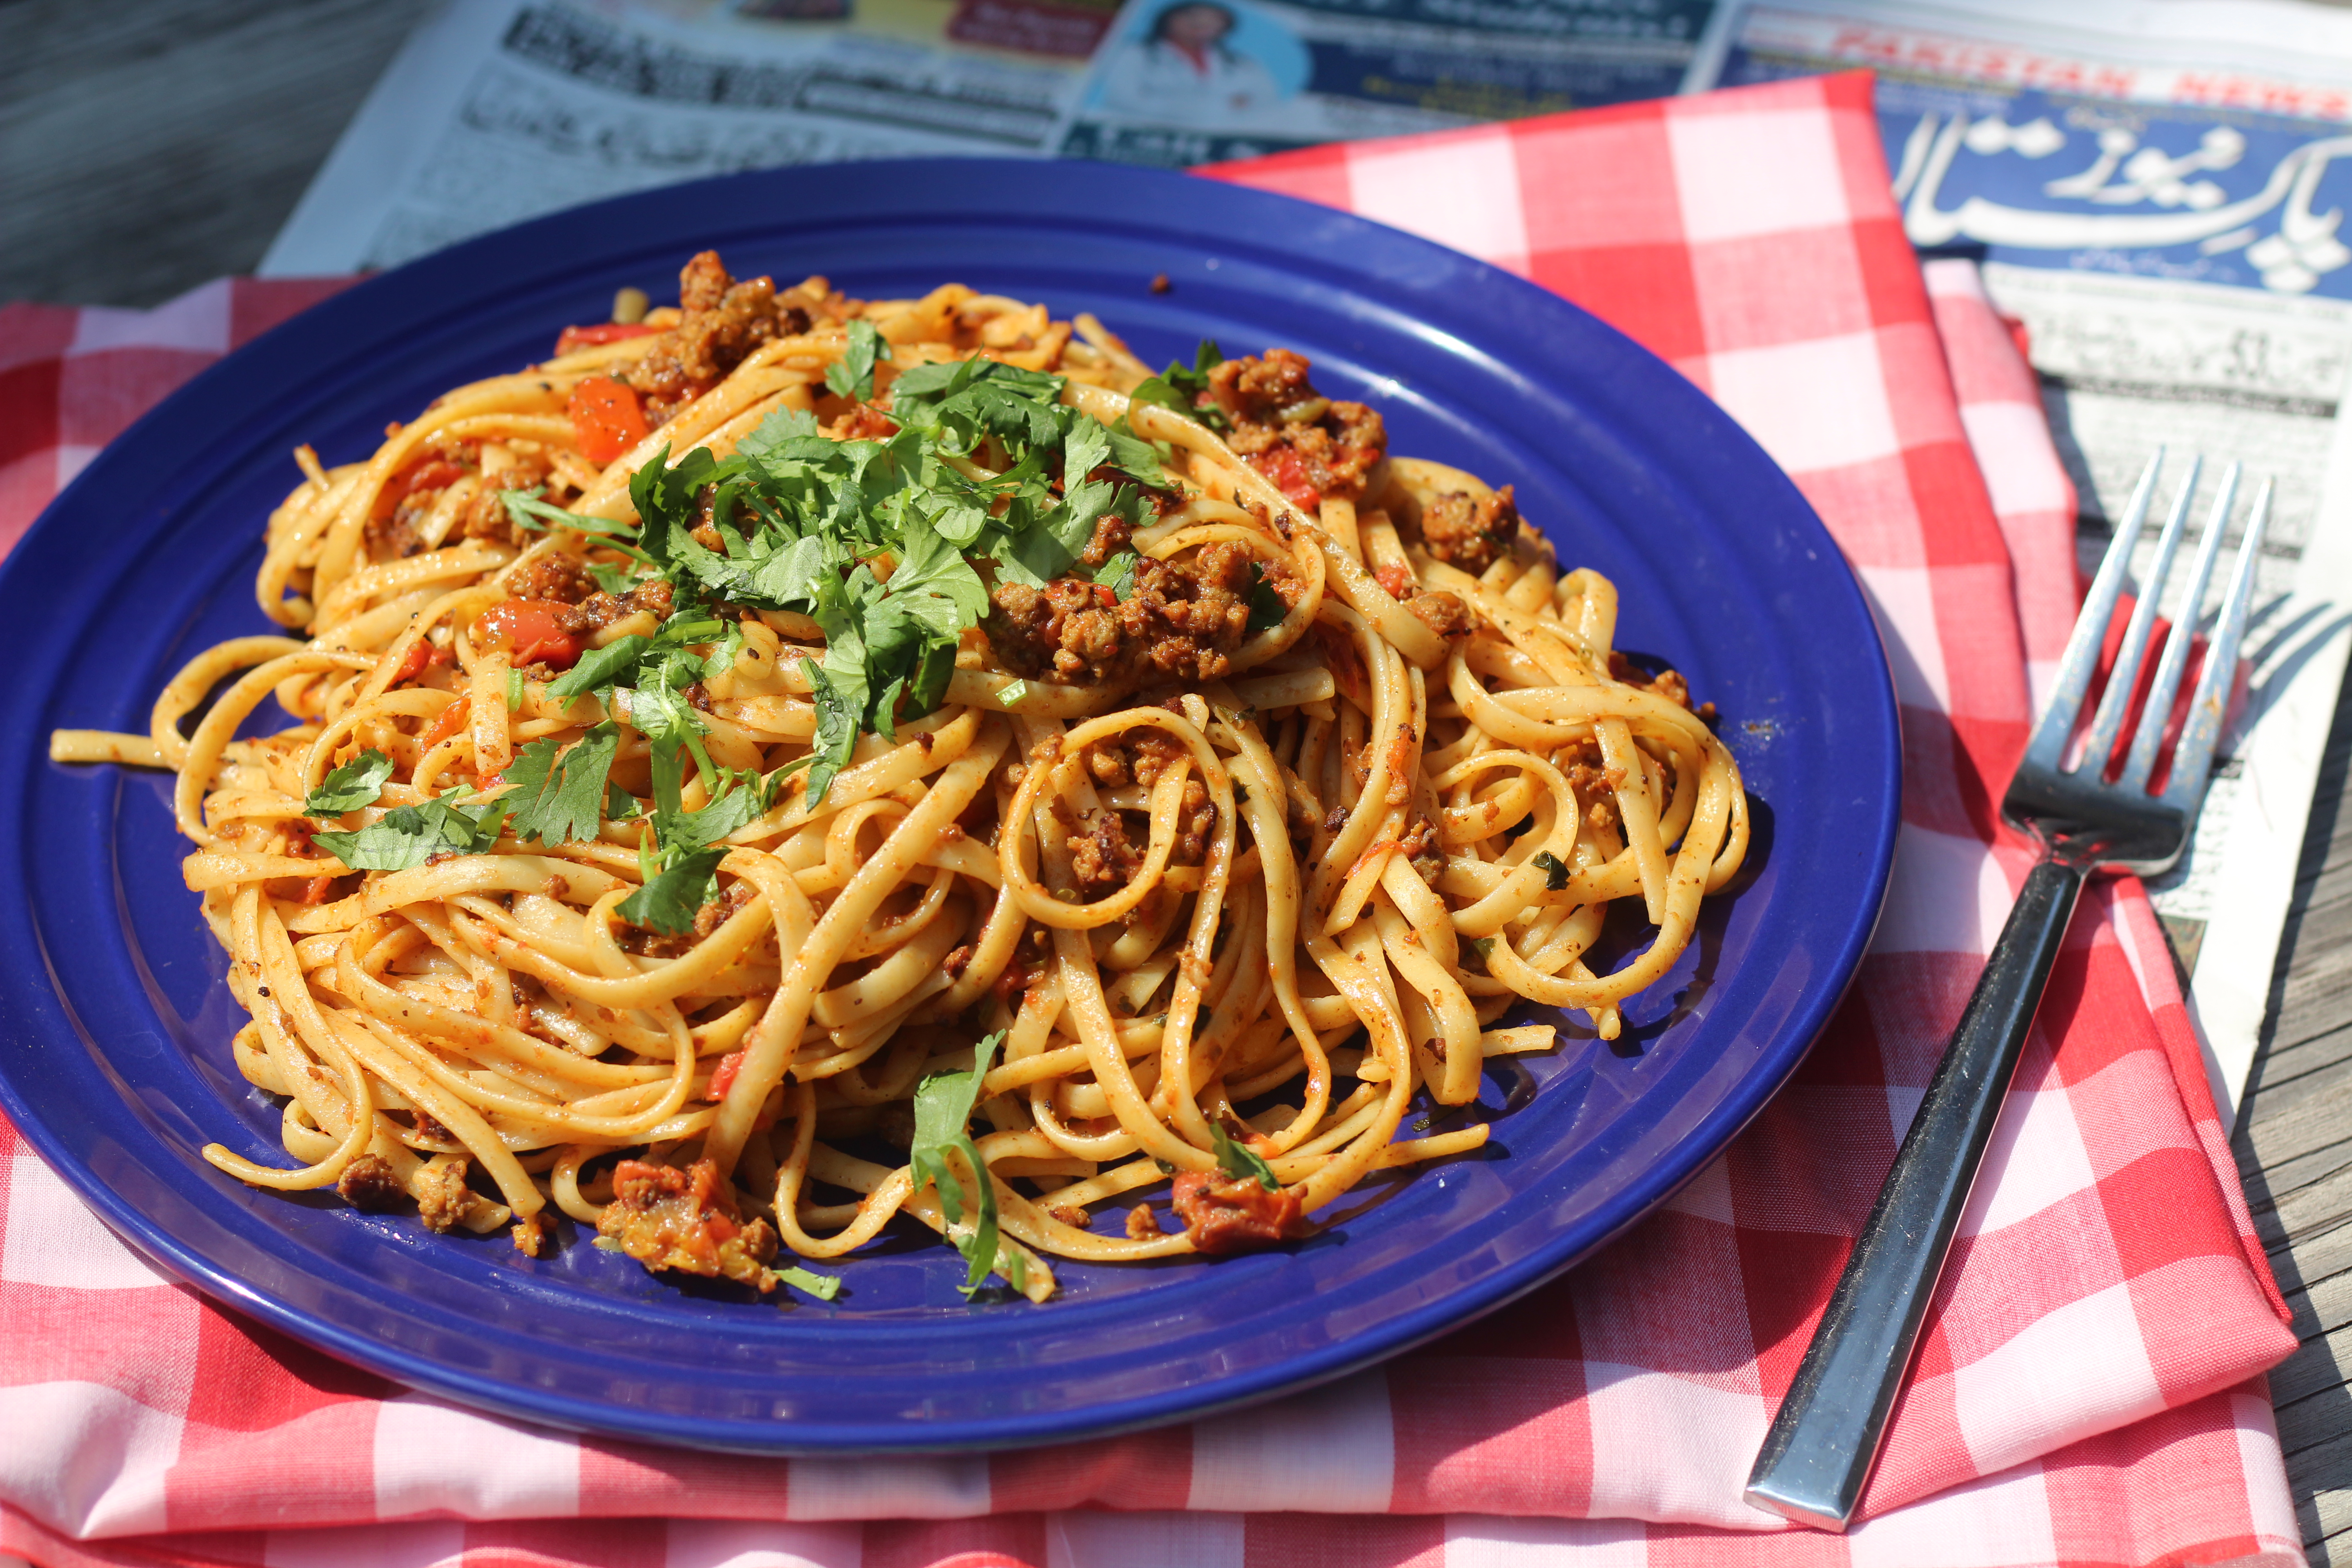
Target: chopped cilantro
{"points": [[514, 691], [679, 859], [824, 1287], [943, 1107], [526, 510], [600, 667], [408, 835], [1484, 946], [1134, 455], [883, 543], [559, 799], [837, 730], [1179, 388], [741, 800], [1555, 869], [1267, 608], [1240, 1160], [615, 580], [852, 375], [670, 899], [1118, 574], [356, 783]]}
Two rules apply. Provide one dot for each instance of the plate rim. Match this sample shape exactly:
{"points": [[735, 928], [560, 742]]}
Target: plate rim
{"points": [[1686, 1156]]}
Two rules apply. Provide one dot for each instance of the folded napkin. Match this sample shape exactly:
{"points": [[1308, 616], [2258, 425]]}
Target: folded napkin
{"points": [[2089, 1388]]}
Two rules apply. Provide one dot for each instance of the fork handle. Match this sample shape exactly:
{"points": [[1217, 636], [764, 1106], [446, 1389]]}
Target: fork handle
{"points": [[1826, 1438]]}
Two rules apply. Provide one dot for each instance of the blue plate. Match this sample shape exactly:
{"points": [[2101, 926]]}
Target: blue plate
{"points": [[114, 1030]]}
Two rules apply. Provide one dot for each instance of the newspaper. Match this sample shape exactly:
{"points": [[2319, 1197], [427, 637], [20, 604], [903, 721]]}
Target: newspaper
{"points": [[499, 111], [2156, 193], [1181, 82]]}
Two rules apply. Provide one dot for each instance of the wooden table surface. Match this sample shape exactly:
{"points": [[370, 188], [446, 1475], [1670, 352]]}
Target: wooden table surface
{"points": [[147, 146]]}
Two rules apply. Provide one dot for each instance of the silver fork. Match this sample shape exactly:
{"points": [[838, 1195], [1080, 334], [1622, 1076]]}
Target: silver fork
{"points": [[1826, 1438]]}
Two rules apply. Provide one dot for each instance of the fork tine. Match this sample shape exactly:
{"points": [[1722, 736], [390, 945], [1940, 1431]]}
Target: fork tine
{"points": [[2047, 749], [2122, 680], [2192, 759], [2175, 662]]}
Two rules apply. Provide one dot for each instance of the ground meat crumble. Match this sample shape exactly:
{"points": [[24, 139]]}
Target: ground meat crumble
{"points": [[668, 1218], [368, 1183], [1102, 858], [1470, 533], [1308, 444], [1182, 621], [721, 322], [1441, 613], [1236, 1213]]}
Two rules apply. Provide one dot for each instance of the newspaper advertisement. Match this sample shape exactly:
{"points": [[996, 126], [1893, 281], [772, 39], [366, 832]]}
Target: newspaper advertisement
{"points": [[1180, 82], [2162, 212], [499, 111]]}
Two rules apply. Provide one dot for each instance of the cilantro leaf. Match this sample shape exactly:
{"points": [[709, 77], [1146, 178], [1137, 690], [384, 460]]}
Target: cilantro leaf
{"points": [[1136, 457], [739, 803], [1084, 448], [1179, 388], [778, 430], [1267, 608], [669, 902], [1555, 870], [943, 1108], [356, 783], [1118, 574], [1047, 548], [557, 800], [408, 835], [852, 375], [615, 580], [930, 566], [1240, 1160], [601, 667], [526, 510], [837, 730], [824, 1287]]}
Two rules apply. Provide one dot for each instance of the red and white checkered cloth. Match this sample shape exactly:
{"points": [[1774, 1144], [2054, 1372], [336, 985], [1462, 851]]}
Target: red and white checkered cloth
{"points": [[2089, 1390]]}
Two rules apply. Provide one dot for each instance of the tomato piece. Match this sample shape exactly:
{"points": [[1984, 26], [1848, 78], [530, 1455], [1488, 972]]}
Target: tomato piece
{"points": [[448, 722], [531, 631], [577, 338], [1287, 469], [722, 1076], [1397, 578], [422, 657], [607, 419], [418, 478]]}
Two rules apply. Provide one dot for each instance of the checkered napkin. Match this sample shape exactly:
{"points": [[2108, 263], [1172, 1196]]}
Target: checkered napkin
{"points": [[2089, 1389]]}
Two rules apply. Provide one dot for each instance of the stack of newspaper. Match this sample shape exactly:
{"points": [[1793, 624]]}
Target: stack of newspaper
{"points": [[2155, 191]]}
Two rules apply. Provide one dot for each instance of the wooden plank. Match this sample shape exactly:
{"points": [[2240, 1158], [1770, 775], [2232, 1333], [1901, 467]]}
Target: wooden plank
{"points": [[147, 146], [2294, 1150]]}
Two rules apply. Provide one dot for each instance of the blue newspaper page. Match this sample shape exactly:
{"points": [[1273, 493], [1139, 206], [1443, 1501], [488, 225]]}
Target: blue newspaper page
{"points": [[2160, 202], [1180, 82]]}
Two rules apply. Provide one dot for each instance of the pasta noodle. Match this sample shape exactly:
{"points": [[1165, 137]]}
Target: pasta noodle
{"points": [[788, 762]]}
